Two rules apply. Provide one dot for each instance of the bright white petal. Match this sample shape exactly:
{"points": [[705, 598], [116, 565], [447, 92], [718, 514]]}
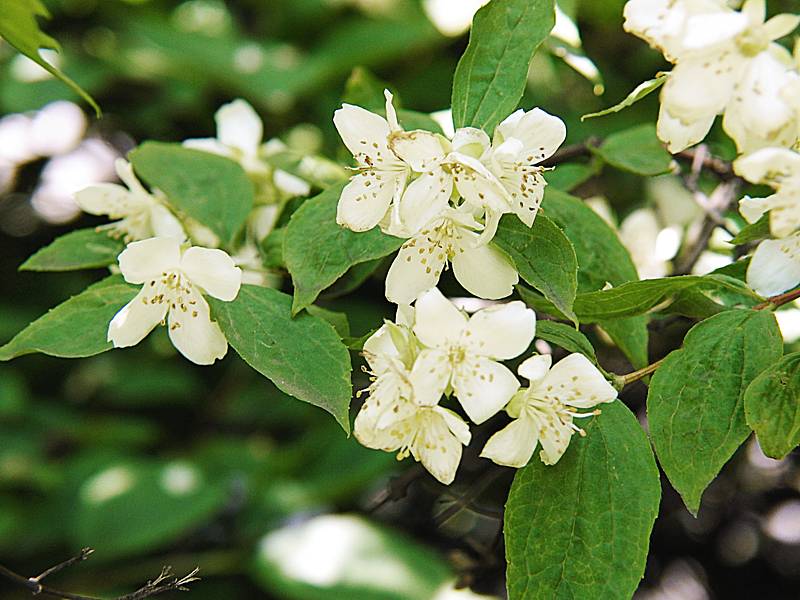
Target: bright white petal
{"points": [[366, 199], [771, 166], [775, 266], [193, 332], [753, 209], [711, 29], [289, 184], [485, 272], [501, 332], [109, 199], [540, 133], [238, 126], [210, 145], [479, 186], [715, 74], [575, 381], [415, 269], [421, 150], [513, 445], [438, 323], [136, 319], [425, 198], [214, 271], [525, 186], [430, 376], [437, 448], [148, 259], [554, 437], [164, 223], [679, 135], [455, 424], [535, 368], [781, 25], [483, 387], [470, 141], [784, 216], [365, 135]]}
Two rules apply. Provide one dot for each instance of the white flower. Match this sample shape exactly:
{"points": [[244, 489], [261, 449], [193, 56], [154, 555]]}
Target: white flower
{"points": [[173, 283], [392, 419], [239, 134], [713, 48], [142, 214], [779, 168], [381, 176], [761, 112], [451, 237], [462, 353], [775, 266], [543, 413]]}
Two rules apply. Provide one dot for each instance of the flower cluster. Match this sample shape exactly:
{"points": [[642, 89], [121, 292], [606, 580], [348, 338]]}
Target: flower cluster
{"points": [[434, 350], [727, 62], [444, 196], [167, 251]]}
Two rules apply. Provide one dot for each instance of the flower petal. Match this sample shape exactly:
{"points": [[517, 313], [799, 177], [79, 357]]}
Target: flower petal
{"points": [[575, 381], [366, 199], [483, 387], [501, 332], [136, 319], [424, 199], [477, 184], [513, 445], [193, 332], [438, 323], [164, 223], [540, 133], [455, 424], [429, 376], [210, 145], [109, 199], [147, 259], [771, 166], [212, 270], [775, 266], [421, 150], [485, 272], [437, 448], [781, 25], [716, 74], [415, 269], [365, 135], [471, 141], [554, 437], [238, 126], [535, 368], [679, 135]]}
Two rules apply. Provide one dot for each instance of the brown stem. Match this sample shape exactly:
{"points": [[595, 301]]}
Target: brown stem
{"points": [[779, 300], [165, 582]]}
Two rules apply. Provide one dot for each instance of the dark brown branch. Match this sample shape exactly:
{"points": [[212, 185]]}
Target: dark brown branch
{"points": [[165, 582], [567, 153], [779, 300]]}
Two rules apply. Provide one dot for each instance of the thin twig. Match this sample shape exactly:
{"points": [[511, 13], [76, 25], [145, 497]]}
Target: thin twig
{"points": [[165, 582], [567, 153], [640, 374], [398, 487], [779, 300]]}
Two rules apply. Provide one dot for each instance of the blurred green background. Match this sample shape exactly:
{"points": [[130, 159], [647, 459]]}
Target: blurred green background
{"points": [[151, 460]]}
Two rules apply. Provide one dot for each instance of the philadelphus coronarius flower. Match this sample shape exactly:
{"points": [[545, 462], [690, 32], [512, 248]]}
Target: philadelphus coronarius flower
{"points": [[392, 417], [445, 196], [462, 353], [142, 214], [719, 57], [543, 412], [173, 280], [239, 135], [780, 169]]}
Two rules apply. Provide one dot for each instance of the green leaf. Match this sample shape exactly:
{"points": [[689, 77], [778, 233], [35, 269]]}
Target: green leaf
{"points": [[754, 232], [565, 337], [601, 259], [76, 328], [337, 319], [318, 251], [491, 76], [581, 528], [19, 28], [695, 407], [366, 562], [639, 92], [132, 508], [209, 188], [638, 297], [81, 249], [304, 356], [637, 150], [544, 258], [568, 176], [772, 406]]}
